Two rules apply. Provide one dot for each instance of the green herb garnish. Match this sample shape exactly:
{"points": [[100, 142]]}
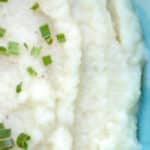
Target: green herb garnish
{"points": [[26, 45], [22, 140], [3, 49], [6, 144], [35, 51], [3, 0], [5, 133], [2, 32], [31, 71], [45, 32], [13, 48], [35, 6], [19, 87], [1, 125], [61, 37], [47, 60]]}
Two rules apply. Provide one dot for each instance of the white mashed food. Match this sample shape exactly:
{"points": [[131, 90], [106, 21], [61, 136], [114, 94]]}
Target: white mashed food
{"points": [[87, 98]]}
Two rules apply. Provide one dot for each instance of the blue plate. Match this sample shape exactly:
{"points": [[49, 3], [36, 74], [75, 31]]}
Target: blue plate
{"points": [[142, 8]]}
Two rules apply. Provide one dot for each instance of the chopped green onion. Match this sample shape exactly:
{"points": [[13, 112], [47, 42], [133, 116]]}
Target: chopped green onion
{"points": [[1, 125], [19, 87], [49, 40], [47, 60], [45, 32], [22, 140], [26, 45], [31, 71], [35, 6], [6, 144], [35, 51], [2, 32], [3, 49], [5, 133], [3, 0], [13, 48], [61, 37]]}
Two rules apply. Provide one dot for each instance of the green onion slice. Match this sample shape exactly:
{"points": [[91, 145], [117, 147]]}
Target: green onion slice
{"points": [[22, 140], [3, 49], [1, 125], [36, 51], [6, 144], [26, 45], [2, 32], [13, 48], [35, 6], [31, 71], [45, 32], [61, 37], [3, 0], [19, 87], [47, 60], [5, 133]]}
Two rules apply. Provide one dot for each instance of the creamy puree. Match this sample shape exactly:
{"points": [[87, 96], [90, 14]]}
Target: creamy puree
{"points": [[110, 75], [75, 103]]}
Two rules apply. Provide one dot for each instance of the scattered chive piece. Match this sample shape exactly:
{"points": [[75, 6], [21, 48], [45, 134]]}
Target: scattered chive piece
{"points": [[6, 144], [3, 49], [47, 60], [13, 48], [2, 32], [49, 40], [5, 133], [45, 32], [35, 51], [31, 71], [3, 0], [19, 87], [25, 45], [1, 125], [35, 6], [61, 38], [22, 140]]}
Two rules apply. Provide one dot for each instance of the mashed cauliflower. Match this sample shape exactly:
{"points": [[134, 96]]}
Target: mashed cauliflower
{"points": [[86, 99]]}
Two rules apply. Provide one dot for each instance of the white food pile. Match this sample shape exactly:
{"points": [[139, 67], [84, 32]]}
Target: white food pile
{"points": [[87, 98]]}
